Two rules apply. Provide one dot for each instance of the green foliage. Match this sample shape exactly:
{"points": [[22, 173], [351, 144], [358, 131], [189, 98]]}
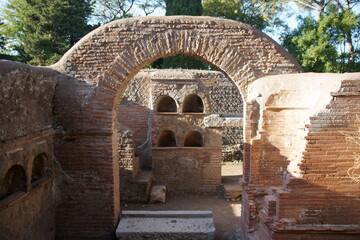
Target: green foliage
{"points": [[319, 46], [259, 14], [149, 6], [106, 11], [183, 7], [2, 40], [41, 31]]}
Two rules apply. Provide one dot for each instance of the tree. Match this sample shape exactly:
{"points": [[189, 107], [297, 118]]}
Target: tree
{"points": [[149, 6], [259, 14], [106, 11], [182, 7], [41, 31], [319, 45], [317, 5], [350, 29], [320, 5], [2, 40]]}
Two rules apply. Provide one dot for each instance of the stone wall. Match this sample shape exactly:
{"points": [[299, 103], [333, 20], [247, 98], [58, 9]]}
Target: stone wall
{"points": [[185, 170], [218, 93], [28, 189]]}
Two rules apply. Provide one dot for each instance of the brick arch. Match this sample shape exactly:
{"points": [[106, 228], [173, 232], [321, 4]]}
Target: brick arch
{"points": [[209, 49], [159, 101], [111, 55], [99, 68]]}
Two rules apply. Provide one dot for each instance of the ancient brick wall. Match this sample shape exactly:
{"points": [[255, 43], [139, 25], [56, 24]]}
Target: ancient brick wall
{"points": [[301, 150], [188, 169], [100, 66], [28, 188], [218, 93], [301, 179]]}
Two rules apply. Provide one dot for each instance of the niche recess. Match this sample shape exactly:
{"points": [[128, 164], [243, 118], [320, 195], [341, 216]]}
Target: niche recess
{"points": [[166, 139], [166, 104], [14, 181], [38, 170], [193, 139], [193, 104]]}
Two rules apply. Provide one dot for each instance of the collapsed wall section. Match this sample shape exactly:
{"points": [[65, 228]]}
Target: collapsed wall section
{"points": [[299, 181]]}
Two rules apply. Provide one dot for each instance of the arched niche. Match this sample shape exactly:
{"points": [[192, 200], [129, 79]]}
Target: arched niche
{"points": [[193, 139], [166, 139], [39, 167], [14, 181], [165, 104], [193, 104]]}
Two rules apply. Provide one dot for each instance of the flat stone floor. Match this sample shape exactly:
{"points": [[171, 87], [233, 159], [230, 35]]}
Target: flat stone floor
{"points": [[226, 213]]}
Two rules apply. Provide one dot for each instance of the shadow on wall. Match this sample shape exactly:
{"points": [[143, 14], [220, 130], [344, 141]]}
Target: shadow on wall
{"points": [[298, 207], [182, 152], [318, 197], [28, 185]]}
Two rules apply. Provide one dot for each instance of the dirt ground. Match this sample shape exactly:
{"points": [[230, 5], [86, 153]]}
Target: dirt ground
{"points": [[226, 213]]}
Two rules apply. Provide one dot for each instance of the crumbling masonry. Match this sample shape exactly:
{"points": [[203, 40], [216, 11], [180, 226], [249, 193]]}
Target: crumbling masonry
{"points": [[59, 132]]}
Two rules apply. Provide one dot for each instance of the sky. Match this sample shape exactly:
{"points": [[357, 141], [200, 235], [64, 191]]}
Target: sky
{"points": [[292, 21]]}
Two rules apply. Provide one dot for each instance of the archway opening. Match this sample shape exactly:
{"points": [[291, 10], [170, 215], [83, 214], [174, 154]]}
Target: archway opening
{"points": [[166, 104], [162, 37], [166, 139], [193, 139], [193, 104], [187, 159], [39, 169], [14, 181]]}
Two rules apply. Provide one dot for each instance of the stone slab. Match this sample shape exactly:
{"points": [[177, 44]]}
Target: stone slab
{"points": [[158, 194], [170, 225], [232, 192]]}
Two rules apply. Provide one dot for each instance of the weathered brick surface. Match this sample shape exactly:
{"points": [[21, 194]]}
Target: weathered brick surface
{"points": [[218, 93], [330, 166], [303, 162], [187, 169], [99, 68], [91, 80], [26, 95], [26, 132]]}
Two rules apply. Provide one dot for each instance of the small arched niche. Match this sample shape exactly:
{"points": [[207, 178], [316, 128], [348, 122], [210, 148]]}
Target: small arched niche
{"points": [[166, 139], [38, 169], [193, 139], [166, 104], [14, 181], [193, 104]]}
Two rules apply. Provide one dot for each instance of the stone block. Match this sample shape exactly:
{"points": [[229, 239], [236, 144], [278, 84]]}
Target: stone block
{"points": [[158, 194], [190, 225]]}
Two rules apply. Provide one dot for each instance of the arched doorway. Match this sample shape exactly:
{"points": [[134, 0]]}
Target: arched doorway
{"points": [[100, 66]]}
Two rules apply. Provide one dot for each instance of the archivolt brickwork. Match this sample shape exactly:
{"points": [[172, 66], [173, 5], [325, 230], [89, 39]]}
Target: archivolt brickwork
{"points": [[99, 68]]}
